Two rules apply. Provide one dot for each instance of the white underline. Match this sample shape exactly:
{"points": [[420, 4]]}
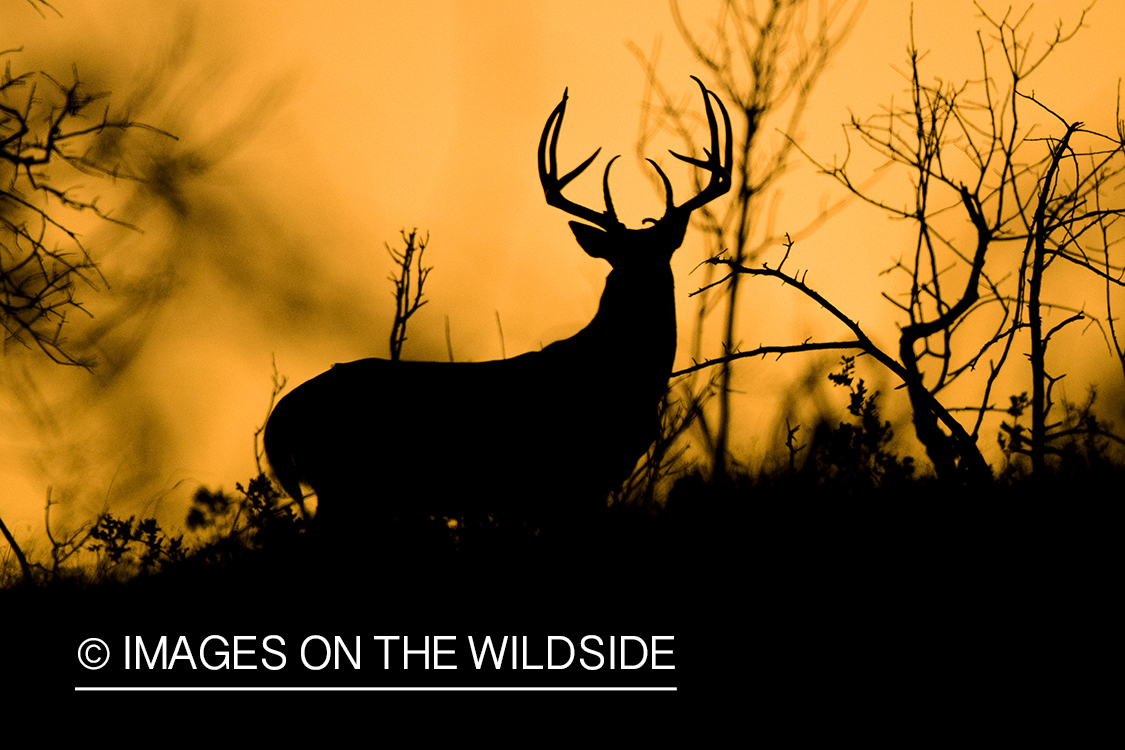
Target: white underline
{"points": [[377, 689]]}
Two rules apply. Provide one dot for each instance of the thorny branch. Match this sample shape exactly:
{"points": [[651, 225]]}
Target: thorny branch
{"points": [[924, 398], [51, 133]]}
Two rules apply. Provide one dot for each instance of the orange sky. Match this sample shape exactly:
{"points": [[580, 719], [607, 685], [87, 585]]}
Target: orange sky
{"points": [[327, 127]]}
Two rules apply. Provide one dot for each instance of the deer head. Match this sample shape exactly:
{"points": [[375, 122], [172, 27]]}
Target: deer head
{"points": [[609, 238]]}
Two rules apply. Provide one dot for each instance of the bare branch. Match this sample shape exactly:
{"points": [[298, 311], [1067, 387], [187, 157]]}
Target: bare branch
{"points": [[408, 285], [45, 137]]}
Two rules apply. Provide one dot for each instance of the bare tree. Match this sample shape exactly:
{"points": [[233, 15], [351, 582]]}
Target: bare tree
{"points": [[764, 59], [974, 161], [408, 285]]}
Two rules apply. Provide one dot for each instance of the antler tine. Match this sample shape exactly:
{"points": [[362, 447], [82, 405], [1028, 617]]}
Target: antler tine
{"points": [[668, 204], [719, 169], [609, 210], [553, 184]]}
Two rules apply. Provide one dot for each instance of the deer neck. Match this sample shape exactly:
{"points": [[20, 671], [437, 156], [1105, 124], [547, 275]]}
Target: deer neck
{"points": [[634, 330]]}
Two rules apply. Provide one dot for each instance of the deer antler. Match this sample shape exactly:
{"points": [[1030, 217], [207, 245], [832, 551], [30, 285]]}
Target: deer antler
{"points": [[553, 185], [720, 170], [718, 184]]}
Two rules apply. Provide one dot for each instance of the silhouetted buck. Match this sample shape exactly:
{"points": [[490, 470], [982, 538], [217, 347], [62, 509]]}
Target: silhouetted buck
{"points": [[546, 434]]}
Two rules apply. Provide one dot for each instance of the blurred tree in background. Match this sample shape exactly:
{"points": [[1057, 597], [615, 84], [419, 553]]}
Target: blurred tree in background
{"points": [[764, 61], [53, 134]]}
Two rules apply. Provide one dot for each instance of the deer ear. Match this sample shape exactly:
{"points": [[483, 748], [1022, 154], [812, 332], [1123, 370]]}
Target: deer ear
{"points": [[591, 239]]}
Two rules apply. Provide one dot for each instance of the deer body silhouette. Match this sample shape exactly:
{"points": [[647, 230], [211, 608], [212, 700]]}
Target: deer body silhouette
{"points": [[548, 432]]}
